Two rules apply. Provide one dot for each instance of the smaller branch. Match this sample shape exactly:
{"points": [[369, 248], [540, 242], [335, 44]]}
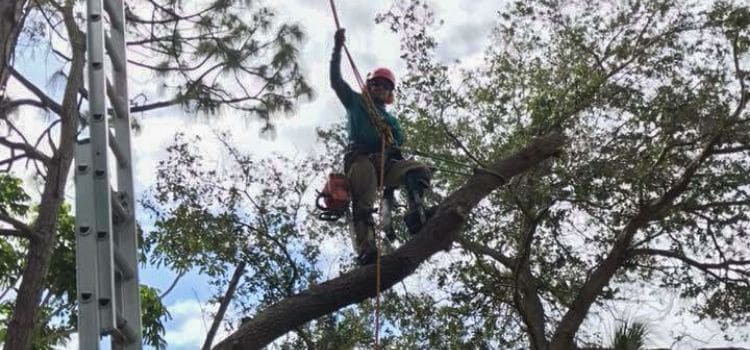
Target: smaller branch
{"points": [[225, 301], [48, 132], [171, 287], [457, 142], [12, 105], [21, 229], [716, 205], [12, 160], [483, 250], [46, 100], [305, 338], [690, 261], [730, 150], [30, 151], [739, 72]]}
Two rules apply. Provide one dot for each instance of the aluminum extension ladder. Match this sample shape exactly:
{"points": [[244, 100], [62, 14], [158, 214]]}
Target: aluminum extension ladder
{"points": [[106, 242]]}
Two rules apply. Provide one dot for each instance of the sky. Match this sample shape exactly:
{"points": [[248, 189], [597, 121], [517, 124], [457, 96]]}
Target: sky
{"points": [[462, 36]]}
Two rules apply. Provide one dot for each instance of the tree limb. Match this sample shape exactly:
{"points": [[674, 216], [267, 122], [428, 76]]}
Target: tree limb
{"points": [[12, 233], [46, 100], [357, 285], [484, 250], [20, 229], [11, 105], [726, 264], [30, 151], [225, 301], [171, 286]]}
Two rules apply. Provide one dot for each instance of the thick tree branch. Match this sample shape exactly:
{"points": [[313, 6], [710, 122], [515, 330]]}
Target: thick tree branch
{"points": [[357, 285]]}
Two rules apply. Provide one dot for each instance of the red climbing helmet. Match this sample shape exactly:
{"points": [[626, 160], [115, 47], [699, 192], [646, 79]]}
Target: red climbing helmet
{"points": [[384, 73]]}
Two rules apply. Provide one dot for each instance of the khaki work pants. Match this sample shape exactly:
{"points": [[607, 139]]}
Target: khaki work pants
{"points": [[363, 179]]}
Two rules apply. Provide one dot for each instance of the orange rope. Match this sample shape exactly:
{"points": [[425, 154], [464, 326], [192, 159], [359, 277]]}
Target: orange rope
{"points": [[385, 136]]}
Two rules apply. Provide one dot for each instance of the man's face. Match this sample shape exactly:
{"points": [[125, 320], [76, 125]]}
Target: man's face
{"points": [[379, 89]]}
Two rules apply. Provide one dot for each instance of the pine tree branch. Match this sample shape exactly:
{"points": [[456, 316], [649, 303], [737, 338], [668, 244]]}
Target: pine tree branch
{"points": [[30, 151], [45, 99]]}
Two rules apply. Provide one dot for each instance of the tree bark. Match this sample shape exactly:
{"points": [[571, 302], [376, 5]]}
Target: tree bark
{"points": [[359, 284], [531, 309], [11, 22], [225, 301], [23, 320], [526, 293]]}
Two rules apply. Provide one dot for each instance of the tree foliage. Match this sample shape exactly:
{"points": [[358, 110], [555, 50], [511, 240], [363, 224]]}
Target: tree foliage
{"points": [[653, 190], [215, 211]]}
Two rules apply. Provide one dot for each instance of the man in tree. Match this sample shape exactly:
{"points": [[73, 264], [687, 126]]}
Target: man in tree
{"points": [[369, 125]]}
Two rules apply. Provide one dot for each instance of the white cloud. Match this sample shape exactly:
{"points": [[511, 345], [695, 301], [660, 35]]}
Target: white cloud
{"points": [[190, 323]]}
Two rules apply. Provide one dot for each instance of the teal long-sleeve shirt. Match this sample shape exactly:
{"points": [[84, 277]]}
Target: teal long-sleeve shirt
{"points": [[361, 131]]}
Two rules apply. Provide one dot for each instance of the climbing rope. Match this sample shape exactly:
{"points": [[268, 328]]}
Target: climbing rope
{"points": [[386, 137]]}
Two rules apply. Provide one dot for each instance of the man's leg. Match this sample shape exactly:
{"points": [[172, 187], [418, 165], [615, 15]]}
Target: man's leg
{"points": [[415, 177], [363, 181]]}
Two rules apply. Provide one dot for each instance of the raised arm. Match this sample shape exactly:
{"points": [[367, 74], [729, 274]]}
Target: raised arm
{"points": [[345, 93]]}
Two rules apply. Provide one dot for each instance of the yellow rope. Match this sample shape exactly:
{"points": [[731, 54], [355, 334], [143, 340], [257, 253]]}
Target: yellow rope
{"points": [[386, 137]]}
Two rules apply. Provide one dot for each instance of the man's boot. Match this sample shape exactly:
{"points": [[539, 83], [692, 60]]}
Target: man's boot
{"points": [[389, 204], [416, 182], [364, 233]]}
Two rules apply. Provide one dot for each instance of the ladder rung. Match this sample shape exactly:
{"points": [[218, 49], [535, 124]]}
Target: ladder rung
{"points": [[117, 150], [122, 265], [124, 330], [120, 105], [114, 54], [120, 213]]}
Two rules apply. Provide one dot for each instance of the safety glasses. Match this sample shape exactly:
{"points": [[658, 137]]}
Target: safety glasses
{"points": [[383, 83]]}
